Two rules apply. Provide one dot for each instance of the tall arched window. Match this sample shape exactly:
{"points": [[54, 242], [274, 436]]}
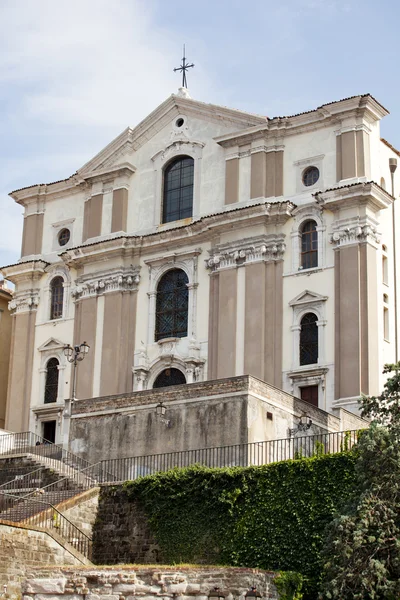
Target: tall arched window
{"points": [[309, 245], [57, 297], [309, 339], [169, 377], [51, 386], [178, 189], [172, 305]]}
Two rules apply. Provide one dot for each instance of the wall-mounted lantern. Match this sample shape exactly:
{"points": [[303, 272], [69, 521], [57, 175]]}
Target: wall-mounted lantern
{"points": [[160, 413], [303, 425]]}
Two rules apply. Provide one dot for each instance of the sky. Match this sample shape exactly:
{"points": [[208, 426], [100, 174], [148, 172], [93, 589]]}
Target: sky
{"points": [[74, 74]]}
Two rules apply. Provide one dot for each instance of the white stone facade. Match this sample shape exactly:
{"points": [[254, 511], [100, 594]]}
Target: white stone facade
{"points": [[240, 250]]}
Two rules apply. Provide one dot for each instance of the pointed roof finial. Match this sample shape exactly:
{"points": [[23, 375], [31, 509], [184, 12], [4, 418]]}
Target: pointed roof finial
{"points": [[183, 68]]}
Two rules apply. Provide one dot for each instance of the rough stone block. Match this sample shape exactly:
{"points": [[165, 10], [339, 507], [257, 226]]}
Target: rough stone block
{"points": [[125, 588], [46, 586], [193, 588]]}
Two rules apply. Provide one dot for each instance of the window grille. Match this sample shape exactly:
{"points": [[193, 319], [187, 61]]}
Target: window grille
{"points": [[172, 305], [309, 340], [178, 190], [309, 245], [51, 387], [57, 298], [169, 377]]}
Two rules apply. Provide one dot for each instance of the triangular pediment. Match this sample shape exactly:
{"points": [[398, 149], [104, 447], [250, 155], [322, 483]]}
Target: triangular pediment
{"points": [[132, 138], [51, 344], [307, 297]]}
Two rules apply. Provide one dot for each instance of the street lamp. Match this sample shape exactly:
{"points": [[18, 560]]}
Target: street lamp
{"points": [[75, 354]]}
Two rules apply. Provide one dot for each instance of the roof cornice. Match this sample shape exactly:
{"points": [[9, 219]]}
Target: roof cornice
{"points": [[365, 193], [31, 270], [327, 114]]}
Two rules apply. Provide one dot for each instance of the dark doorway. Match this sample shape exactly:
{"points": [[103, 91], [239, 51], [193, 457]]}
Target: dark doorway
{"points": [[169, 377], [309, 393], [49, 431]]}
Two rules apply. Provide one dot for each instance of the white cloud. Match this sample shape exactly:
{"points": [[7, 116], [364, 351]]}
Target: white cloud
{"points": [[71, 74], [88, 62]]}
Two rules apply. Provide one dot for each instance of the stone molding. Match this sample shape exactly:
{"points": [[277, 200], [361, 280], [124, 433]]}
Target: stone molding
{"points": [[355, 231], [24, 302], [118, 280], [265, 248], [146, 372]]}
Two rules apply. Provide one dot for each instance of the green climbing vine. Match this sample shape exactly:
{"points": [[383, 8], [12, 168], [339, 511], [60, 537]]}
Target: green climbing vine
{"points": [[270, 517]]}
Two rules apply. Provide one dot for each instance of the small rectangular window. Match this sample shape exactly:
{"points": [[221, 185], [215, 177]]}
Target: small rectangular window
{"points": [[386, 323], [385, 273]]}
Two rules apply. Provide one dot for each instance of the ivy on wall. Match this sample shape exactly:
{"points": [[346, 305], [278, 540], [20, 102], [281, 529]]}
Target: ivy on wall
{"points": [[270, 517]]}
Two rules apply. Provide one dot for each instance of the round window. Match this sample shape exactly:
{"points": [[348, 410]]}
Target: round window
{"points": [[64, 237], [310, 176], [179, 122]]}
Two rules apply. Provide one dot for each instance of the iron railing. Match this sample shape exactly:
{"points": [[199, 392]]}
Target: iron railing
{"points": [[42, 514], [51, 455], [25, 482], [244, 455]]}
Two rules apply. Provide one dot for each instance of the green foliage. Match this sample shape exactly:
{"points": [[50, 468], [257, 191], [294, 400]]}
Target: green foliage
{"points": [[362, 554], [270, 517], [289, 585]]}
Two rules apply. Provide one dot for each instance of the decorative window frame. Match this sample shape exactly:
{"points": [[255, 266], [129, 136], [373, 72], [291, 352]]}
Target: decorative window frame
{"points": [[301, 166], [145, 373], [56, 271], [178, 147], [308, 302], [53, 348], [310, 212], [188, 262], [57, 227]]}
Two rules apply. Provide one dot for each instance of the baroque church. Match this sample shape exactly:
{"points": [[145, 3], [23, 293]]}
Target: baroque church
{"points": [[204, 245]]}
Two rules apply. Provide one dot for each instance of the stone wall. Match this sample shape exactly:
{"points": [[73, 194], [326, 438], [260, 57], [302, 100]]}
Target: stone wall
{"points": [[222, 412], [82, 510], [22, 548], [121, 533], [129, 583]]}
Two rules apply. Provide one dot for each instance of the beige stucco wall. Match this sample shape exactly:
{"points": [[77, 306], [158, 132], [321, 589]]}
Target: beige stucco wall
{"points": [[241, 319], [5, 350]]}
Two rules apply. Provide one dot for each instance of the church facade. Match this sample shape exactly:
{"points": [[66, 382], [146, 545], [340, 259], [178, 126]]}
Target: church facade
{"points": [[208, 243]]}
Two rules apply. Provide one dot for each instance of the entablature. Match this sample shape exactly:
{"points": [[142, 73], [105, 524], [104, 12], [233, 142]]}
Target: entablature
{"points": [[25, 272], [198, 231], [368, 194]]}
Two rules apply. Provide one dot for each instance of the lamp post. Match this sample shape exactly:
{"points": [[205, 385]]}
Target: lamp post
{"points": [[75, 354]]}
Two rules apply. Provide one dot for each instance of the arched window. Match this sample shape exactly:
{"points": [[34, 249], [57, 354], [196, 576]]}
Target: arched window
{"points": [[309, 339], [57, 297], [178, 189], [309, 245], [51, 387], [172, 305], [169, 377]]}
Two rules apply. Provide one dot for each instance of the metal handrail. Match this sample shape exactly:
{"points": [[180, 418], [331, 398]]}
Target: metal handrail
{"points": [[28, 442], [53, 521], [90, 482], [252, 453], [20, 478]]}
